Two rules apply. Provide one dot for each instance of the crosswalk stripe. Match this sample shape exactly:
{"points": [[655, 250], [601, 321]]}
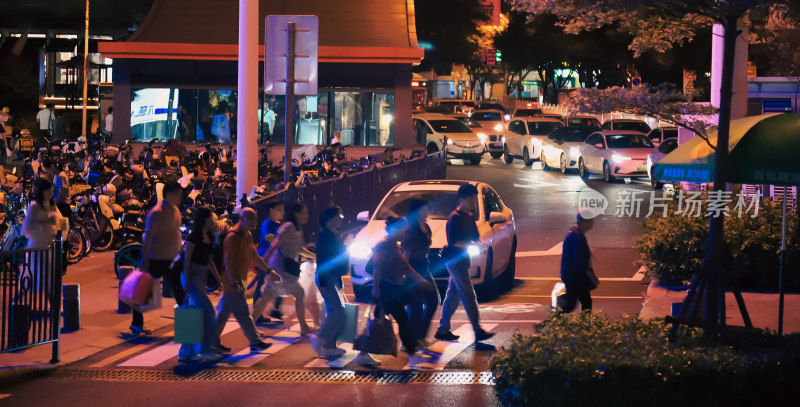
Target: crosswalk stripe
{"points": [[279, 341], [449, 350], [164, 352], [113, 358]]}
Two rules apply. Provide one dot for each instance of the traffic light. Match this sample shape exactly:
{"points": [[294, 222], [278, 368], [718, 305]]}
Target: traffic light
{"points": [[498, 56]]}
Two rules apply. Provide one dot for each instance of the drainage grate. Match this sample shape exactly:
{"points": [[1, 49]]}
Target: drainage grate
{"points": [[280, 376]]}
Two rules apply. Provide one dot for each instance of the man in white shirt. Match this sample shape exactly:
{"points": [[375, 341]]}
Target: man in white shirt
{"points": [[269, 123], [110, 119], [45, 120]]}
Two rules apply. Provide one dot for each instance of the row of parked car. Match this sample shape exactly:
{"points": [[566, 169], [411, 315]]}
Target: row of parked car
{"points": [[618, 148]]}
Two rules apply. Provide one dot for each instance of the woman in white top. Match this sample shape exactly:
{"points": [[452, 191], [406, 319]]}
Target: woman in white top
{"points": [[283, 257], [40, 226]]}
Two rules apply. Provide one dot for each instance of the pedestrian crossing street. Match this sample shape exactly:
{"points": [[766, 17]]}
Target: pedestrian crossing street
{"points": [[288, 345]]}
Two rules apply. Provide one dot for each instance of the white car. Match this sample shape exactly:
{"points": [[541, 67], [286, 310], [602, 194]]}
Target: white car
{"points": [[433, 129], [614, 154], [492, 140], [496, 250], [560, 148], [660, 134], [657, 154], [525, 136]]}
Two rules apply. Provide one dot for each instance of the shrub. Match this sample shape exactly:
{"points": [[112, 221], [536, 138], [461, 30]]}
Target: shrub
{"points": [[591, 359], [672, 248]]}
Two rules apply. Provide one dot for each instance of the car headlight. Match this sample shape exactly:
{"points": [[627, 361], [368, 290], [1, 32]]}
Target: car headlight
{"points": [[619, 158], [507, 117], [498, 127], [482, 137], [503, 139], [360, 250], [449, 141], [473, 250]]}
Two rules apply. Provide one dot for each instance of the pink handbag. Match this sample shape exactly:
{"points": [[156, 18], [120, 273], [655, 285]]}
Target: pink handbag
{"points": [[136, 288]]}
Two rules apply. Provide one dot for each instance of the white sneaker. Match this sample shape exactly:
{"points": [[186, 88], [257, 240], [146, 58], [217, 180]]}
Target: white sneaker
{"points": [[365, 359], [331, 352], [416, 359]]}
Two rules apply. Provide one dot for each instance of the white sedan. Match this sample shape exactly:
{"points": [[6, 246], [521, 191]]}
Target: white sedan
{"points": [[495, 252], [462, 143], [525, 136], [561, 147], [615, 154]]}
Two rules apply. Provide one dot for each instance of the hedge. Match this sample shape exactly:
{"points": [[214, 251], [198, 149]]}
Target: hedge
{"points": [[593, 360]]}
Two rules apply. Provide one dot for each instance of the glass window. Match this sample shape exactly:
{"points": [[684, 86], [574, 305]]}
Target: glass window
{"points": [[491, 202], [668, 145], [632, 126], [449, 126], [542, 128], [628, 141], [442, 203], [571, 134], [487, 116]]}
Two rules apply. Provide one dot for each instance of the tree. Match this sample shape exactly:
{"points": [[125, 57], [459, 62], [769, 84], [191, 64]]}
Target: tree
{"points": [[107, 17], [660, 25], [444, 29]]}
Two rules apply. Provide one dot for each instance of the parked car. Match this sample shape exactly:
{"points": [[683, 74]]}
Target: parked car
{"points": [[626, 124], [561, 147], [614, 154], [492, 139], [493, 262], [582, 120], [494, 105], [553, 116], [659, 134], [433, 128], [525, 136], [657, 154], [527, 112], [457, 105]]}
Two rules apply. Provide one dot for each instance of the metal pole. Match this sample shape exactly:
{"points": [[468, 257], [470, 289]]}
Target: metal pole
{"points": [[289, 114], [247, 106], [85, 68], [780, 268]]}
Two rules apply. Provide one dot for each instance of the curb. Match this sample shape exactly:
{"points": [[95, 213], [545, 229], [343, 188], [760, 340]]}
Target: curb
{"points": [[10, 376]]}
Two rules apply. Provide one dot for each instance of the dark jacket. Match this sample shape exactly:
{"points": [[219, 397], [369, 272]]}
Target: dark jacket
{"points": [[332, 260], [575, 258]]}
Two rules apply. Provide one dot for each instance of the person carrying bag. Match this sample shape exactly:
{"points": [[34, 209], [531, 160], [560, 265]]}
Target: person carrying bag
{"points": [[378, 336]]}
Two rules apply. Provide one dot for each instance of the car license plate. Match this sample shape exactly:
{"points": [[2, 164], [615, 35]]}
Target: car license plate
{"points": [[497, 145], [641, 169], [468, 151]]}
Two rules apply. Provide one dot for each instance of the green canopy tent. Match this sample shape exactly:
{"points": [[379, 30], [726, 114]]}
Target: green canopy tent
{"points": [[763, 150]]}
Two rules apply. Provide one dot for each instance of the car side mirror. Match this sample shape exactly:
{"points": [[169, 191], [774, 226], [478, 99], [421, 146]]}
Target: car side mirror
{"points": [[599, 145], [497, 218], [363, 216]]}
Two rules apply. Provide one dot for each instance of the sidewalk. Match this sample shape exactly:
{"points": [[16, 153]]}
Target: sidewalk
{"points": [[101, 326], [762, 307]]}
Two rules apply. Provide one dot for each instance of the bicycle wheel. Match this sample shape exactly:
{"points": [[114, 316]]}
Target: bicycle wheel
{"points": [[75, 240], [102, 234], [128, 255]]}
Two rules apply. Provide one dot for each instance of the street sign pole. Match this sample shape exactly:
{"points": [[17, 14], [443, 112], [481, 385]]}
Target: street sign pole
{"points": [[291, 29]]}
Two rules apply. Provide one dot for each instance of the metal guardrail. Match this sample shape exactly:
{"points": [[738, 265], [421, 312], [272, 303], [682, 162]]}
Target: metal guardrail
{"points": [[357, 192], [30, 298]]}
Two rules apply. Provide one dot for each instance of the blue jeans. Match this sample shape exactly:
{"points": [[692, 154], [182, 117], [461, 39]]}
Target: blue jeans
{"points": [[196, 283], [334, 306], [459, 289]]}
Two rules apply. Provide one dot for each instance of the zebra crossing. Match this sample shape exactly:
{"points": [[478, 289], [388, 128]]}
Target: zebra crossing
{"points": [[161, 352]]}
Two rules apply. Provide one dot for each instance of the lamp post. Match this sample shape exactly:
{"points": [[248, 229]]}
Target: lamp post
{"points": [[85, 69]]}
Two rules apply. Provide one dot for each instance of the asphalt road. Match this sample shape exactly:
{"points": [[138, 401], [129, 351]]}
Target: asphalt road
{"points": [[145, 371]]}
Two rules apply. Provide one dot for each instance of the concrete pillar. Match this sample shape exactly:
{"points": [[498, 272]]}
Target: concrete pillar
{"points": [[122, 101], [404, 135], [739, 107], [247, 105]]}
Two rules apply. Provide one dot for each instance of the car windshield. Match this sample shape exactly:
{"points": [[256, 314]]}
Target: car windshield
{"points": [[542, 128], [632, 126], [449, 126], [628, 141], [442, 203], [487, 116], [492, 106], [467, 103], [583, 121], [527, 112], [572, 134]]}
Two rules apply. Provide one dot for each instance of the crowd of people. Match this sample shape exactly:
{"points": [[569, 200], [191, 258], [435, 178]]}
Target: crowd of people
{"points": [[404, 287]]}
